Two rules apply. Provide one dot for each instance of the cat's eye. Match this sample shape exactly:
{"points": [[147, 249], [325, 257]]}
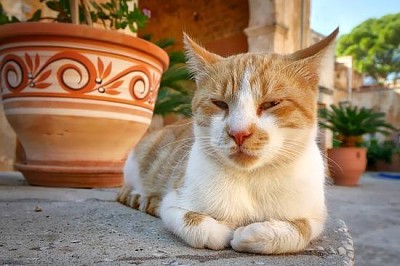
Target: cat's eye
{"points": [[268, 105], [220, 104]]}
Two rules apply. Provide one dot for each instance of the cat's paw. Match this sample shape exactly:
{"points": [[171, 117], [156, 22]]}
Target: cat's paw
{"points": [[141, 202], [253, 238], [202, 231]]}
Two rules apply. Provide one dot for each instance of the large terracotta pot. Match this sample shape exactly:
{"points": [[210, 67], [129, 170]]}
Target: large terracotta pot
{"points": [[347, 164], [79, 98]]}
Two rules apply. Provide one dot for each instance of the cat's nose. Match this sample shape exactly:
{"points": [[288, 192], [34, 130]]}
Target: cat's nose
{"points": [[239, 136]]}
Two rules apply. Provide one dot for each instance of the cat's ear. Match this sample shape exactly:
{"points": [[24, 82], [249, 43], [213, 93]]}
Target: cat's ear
{"points": [[317, 50], [310, 60], [198, 57]]}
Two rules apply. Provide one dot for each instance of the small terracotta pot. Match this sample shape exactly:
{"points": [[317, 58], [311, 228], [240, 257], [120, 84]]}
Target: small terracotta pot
{"points": [[394, 166], [79, 98], [347, 164]]}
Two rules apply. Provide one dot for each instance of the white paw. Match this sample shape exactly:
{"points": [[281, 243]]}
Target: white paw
{"points": [[253, 238], [208, 234]]}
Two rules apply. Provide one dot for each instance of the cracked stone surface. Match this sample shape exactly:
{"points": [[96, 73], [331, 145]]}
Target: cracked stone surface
{"points": [[57, 226]]}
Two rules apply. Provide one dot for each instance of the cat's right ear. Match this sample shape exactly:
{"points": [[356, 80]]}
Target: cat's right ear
{"points": [[198, 58]]}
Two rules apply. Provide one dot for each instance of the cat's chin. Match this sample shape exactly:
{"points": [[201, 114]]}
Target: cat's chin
{"points": [[243, 159]]}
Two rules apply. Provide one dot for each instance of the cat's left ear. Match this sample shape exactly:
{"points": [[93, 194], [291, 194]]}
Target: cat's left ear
{"points": [[198, 57], [312, 57], [317, 50]]}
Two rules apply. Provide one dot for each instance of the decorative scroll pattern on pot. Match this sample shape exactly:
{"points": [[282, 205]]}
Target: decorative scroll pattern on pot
{"points": [[72, 74]]}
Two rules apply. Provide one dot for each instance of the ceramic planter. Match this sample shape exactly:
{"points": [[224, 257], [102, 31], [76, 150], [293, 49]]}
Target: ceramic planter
{"points": [[347, 164], [78, 98]]}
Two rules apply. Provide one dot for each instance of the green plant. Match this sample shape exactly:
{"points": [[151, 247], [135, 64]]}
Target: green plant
{"points": [[348, 123], [379, 151], [375, 46], [4, 18], [113, 14], [176, 86]]}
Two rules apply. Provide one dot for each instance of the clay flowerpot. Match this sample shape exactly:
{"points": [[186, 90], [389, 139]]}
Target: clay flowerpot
{"points": [[347, 164], [79, 98]]}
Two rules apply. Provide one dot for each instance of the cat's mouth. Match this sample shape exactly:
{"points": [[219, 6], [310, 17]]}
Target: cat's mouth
{"points": [[243, 157]]}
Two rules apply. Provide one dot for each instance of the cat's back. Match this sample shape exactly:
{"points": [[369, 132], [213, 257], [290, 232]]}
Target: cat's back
{"points": [[160, 158], [164, 141]]}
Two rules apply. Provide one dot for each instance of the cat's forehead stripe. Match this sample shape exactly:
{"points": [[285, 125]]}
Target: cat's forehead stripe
{"points": [[245, 83]]}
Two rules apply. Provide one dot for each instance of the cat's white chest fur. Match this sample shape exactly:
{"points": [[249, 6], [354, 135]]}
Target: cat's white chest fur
{"points": [[240, 197]]}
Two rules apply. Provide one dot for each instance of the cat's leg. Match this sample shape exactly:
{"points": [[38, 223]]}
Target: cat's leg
{"points": [[133, 194], [197, 229], [145, 203], [276, 236], [123, 194]]}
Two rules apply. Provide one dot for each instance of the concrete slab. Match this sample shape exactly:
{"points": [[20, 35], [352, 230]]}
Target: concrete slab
{"points": [[372, 214], [55, 226]]}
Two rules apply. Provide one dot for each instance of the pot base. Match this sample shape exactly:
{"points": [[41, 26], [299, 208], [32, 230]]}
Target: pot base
{"points": [[71, 176]]}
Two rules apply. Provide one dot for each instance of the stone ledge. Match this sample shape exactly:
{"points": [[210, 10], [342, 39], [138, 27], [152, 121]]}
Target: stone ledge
{"points": [[85, 226]]}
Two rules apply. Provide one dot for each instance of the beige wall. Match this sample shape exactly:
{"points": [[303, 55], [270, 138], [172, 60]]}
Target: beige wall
{"points": [[278, 26], [386, 100], [381, 100], [341, 77], [218, 25]]}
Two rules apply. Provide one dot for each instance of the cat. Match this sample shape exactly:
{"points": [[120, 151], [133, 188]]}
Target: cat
{"points": [[245, 171]]}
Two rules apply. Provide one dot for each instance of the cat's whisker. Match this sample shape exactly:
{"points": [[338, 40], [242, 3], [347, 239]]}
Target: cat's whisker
{"points": [[188, 140], [333, 161], [181, 124], [177, 141]]}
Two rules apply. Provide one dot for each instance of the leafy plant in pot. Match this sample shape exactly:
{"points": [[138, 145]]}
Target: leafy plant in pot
{"points": [[176, 88], [78, 97], [383, 156], [348, 160]]}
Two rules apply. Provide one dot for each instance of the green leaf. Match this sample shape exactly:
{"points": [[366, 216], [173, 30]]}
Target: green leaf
{"points": [[164, 43], [36, 16], [53, 5]]}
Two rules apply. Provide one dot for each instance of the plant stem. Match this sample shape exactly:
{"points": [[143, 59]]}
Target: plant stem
{"points": [[74, 4], [85, 6]]}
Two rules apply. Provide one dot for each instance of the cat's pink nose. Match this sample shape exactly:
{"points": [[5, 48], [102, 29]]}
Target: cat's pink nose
{"points": [[239, 136]]}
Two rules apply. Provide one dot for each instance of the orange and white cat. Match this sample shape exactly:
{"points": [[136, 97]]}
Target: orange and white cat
{"points": [[245, 171]]}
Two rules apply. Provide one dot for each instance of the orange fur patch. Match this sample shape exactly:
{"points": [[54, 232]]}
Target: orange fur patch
{"points": [[304, 228], [193, 218]]}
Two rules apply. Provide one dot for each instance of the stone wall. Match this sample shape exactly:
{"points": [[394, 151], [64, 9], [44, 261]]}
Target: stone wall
{"points": [[216, 24], [381, 100], [279, 26], [341, 77]]}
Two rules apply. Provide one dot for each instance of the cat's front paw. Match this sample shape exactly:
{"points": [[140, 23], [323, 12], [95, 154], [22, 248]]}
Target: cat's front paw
{"points": [[202, 231], [253, 238]]}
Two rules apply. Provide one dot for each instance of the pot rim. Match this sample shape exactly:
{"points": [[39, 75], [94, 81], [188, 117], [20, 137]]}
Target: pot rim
{"points": [[14, 30]]}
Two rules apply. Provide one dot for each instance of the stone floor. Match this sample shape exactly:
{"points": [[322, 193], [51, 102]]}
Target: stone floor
{"points": [[372, 214], [41, 226], [58, 226]]}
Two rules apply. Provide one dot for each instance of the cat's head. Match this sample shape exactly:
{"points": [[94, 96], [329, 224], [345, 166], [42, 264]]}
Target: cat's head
{"points": [[251, 110]]}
